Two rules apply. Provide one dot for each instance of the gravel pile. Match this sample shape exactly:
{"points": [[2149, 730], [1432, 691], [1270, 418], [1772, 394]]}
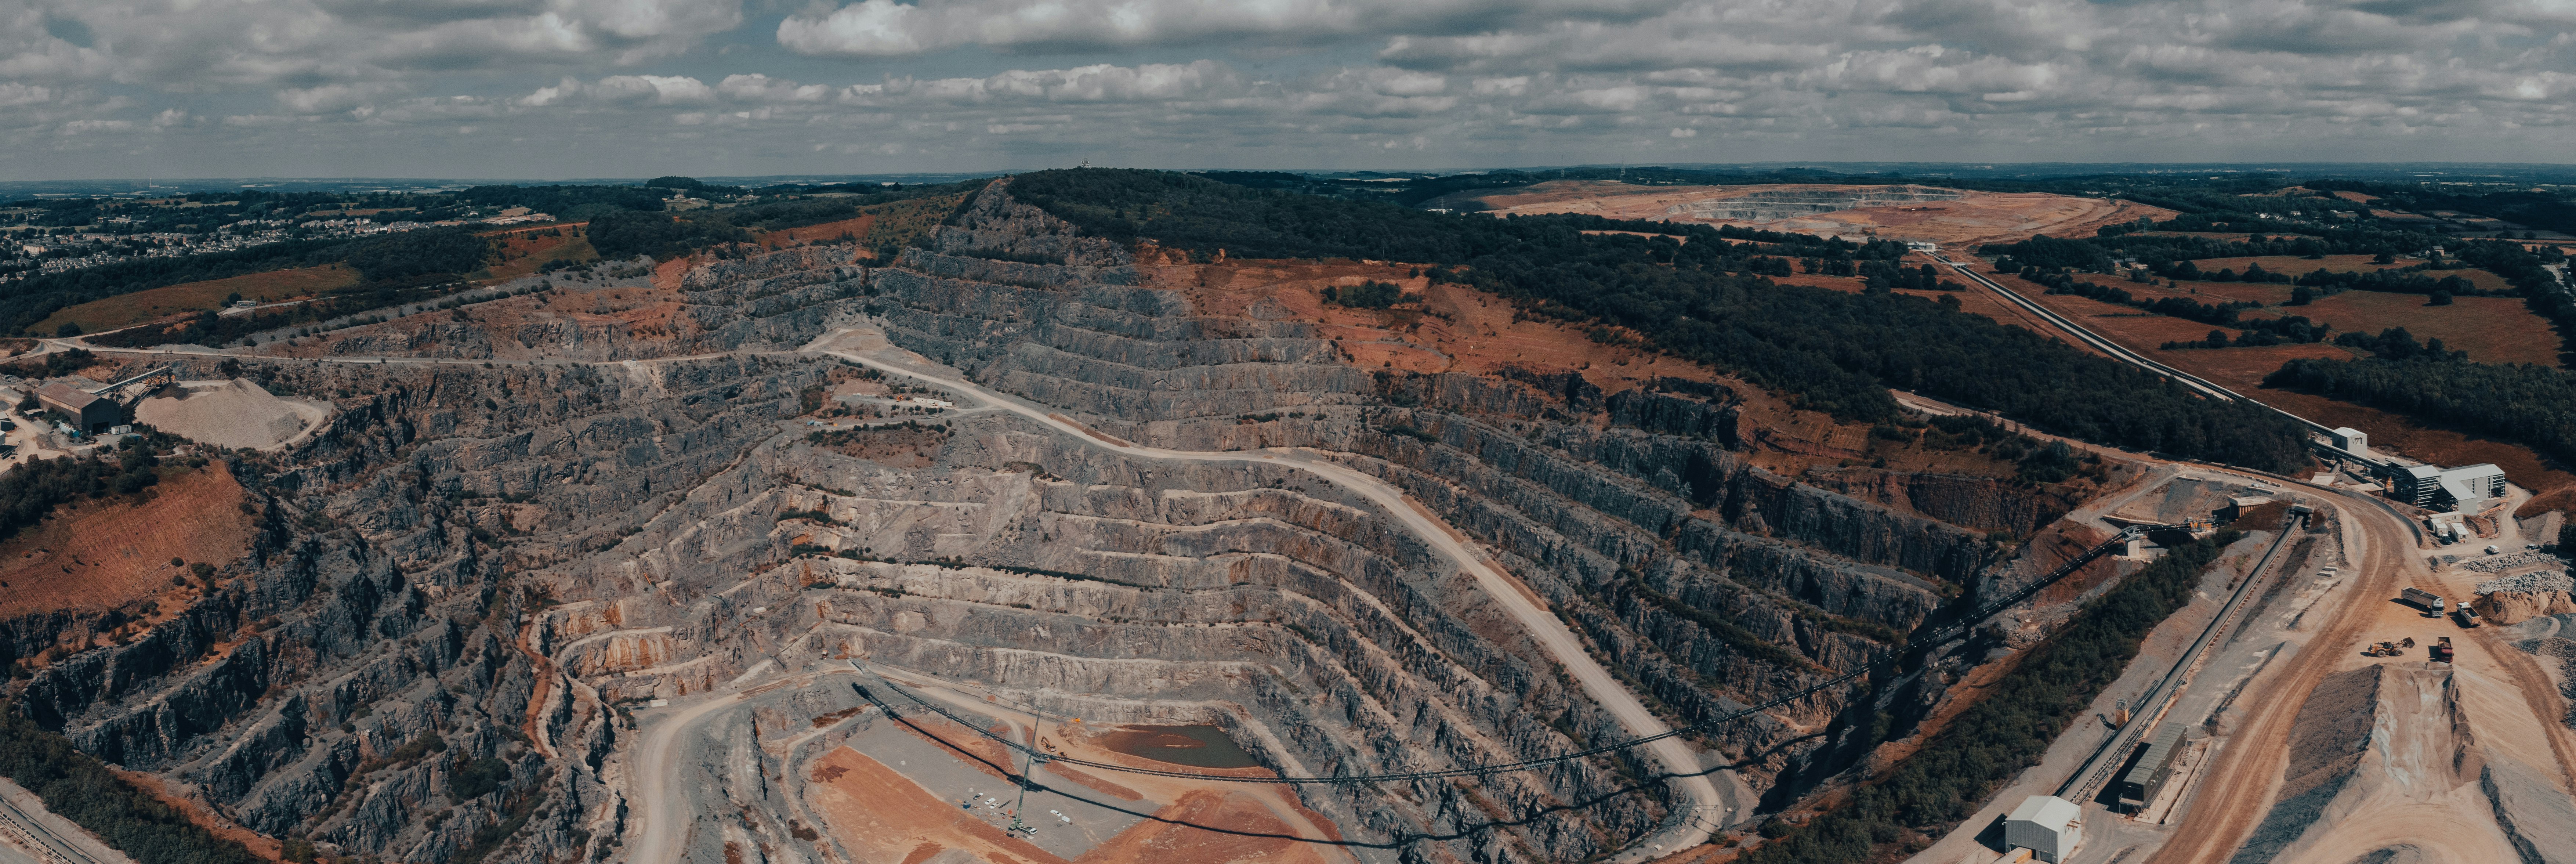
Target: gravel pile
{"points": [[236, 413], [2528, 582], [2494, 563]]}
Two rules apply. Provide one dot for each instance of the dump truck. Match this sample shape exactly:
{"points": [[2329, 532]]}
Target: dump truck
{"points": [[2442, 650], [2430, 601], [2468, 617]]}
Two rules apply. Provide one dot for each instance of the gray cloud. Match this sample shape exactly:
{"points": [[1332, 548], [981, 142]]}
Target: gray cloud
{"points": [[605, 87]]}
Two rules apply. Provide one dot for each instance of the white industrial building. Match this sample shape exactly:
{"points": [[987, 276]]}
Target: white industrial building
{"points": [[2351, 440], [2046, 825], [2467, 489]]}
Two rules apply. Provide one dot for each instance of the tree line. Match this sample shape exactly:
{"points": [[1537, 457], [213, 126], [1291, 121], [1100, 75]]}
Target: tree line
{"points": [[2524, 402], [1828, 350], [76, 786]]}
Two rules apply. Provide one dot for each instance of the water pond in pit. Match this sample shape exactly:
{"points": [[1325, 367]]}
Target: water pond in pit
{"points": [[1194, 746]]}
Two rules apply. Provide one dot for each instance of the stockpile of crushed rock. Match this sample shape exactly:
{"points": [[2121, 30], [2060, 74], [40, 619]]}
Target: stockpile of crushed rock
{"points": [[2529, 582], [236, 413], [2493, 563]]}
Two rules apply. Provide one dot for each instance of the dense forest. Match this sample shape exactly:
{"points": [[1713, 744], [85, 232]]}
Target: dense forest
{"points": [[2535, 405], [1961, 765], [76, 786], [1828, 350]]}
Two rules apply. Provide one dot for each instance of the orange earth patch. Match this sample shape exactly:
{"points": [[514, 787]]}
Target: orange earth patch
{"points": [[98, 555]]}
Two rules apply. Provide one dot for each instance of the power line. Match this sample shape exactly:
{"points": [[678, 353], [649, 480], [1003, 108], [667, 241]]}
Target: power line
{"points": [[1926, 641]]}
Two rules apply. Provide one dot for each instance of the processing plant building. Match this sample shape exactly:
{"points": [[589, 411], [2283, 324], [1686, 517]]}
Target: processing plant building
{"points": [[2467, 489]]}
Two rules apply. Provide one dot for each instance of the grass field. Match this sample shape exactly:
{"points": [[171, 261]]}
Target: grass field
{"points": [[192, 297], [2491, 329]]}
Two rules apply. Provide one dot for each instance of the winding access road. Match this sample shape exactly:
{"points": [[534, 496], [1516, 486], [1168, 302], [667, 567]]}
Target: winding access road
{"points": [[1699, 807]]}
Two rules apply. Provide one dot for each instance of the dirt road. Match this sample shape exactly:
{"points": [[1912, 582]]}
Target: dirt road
{"points": [[2241, 784], [1696, 795]]}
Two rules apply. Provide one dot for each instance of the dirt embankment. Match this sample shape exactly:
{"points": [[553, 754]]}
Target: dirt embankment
{"points": [[2326, 745]]}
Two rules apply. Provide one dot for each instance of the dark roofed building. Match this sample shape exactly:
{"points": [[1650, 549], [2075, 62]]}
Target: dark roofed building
{"points": [[86, 410]]}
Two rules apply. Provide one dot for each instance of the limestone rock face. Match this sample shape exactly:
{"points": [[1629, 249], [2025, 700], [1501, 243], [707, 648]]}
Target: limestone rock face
{"points": [[507, 558]]}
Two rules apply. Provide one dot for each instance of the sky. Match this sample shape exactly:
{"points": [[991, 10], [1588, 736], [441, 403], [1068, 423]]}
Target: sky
{"points": [[551, 89]]}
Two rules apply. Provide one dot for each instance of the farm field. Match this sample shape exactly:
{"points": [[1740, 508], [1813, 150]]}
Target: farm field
{"points": [[192, 297], [2491, 329]]}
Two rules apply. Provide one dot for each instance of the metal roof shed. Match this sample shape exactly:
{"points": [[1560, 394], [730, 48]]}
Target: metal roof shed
{"points": [[2046, 825]]}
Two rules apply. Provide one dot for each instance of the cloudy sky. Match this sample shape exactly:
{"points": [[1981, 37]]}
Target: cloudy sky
{"points": [[597, 88]]}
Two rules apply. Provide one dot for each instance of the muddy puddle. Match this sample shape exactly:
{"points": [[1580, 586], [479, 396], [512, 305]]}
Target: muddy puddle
{"points": [[1194, 746]]}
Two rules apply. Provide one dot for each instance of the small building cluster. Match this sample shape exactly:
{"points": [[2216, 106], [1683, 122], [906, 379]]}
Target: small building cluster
{"points": [[2464, 489]]}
